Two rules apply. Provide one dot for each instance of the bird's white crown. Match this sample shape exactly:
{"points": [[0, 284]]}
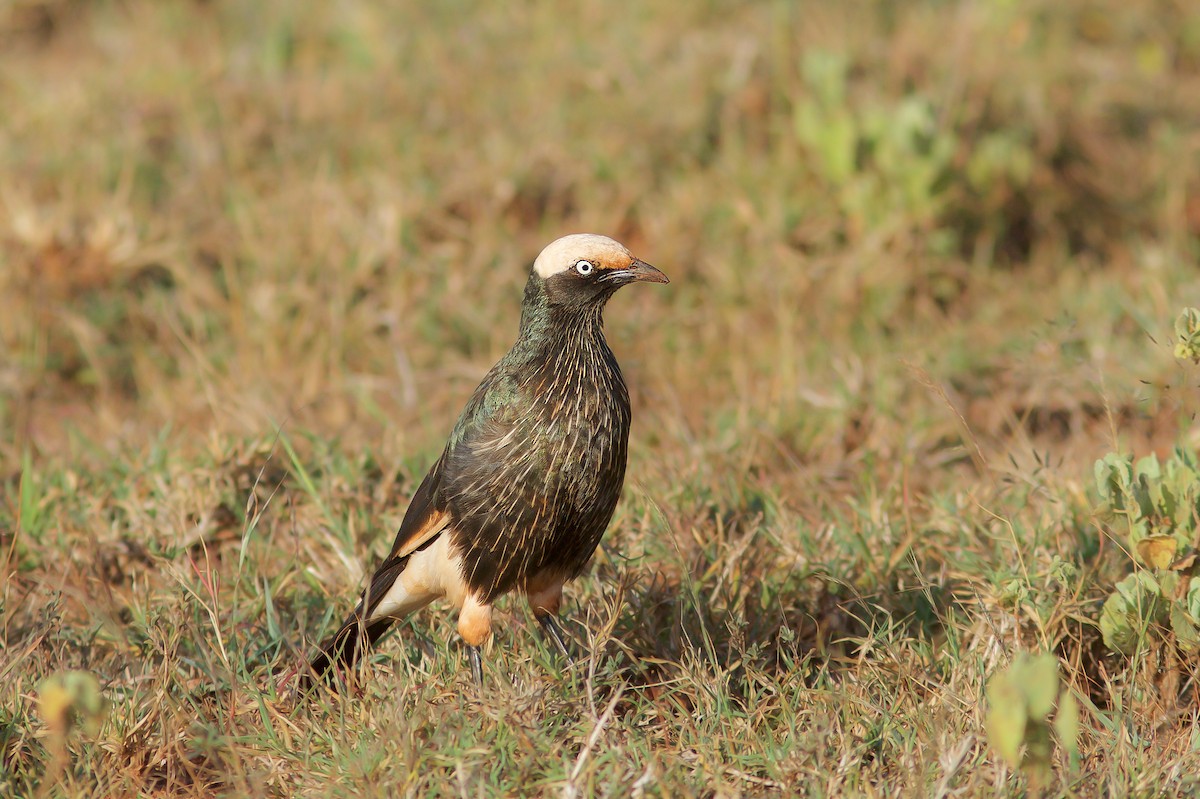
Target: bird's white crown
{"points": [[563, 254]]}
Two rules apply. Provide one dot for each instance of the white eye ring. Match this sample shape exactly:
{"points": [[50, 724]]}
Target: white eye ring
{"points": [[584, 267]]}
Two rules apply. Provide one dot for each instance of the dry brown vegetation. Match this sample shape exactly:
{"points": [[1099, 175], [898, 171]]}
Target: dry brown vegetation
{"points": [[924, 262]]}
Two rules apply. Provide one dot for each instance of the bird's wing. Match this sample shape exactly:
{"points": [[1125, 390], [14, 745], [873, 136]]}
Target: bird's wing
{"points": [[428, 516], [425, 518], [486, 424], [429, 512]]}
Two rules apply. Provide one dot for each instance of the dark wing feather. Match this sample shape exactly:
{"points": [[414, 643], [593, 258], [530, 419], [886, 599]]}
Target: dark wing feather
{"points": [[424, 520]]}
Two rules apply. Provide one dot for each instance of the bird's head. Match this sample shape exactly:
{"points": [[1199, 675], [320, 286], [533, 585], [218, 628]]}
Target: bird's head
{"points": [[583, 269]]}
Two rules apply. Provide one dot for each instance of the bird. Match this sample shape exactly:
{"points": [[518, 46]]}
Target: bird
{"points": [[531, 473]]}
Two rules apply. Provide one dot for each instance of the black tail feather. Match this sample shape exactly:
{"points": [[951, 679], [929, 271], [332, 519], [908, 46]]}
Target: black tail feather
{"points": [[346, 646], [343, 649]]}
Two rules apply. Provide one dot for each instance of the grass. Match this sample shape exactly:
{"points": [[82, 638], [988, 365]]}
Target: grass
{"points": [[924, 263]]}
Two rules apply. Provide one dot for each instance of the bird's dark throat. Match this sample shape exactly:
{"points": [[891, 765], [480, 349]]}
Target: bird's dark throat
{"points": [[560, 311]]}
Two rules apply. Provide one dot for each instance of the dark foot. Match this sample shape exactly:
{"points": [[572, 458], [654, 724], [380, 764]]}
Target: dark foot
{"points": [[476, 665], [555, 634]]}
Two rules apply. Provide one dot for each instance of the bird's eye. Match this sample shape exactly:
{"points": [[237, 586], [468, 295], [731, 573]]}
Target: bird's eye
{"points": [[584, 267]]}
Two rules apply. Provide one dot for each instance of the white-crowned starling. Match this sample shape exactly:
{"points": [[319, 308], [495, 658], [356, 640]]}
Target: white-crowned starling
{"points": [[528, 481]]}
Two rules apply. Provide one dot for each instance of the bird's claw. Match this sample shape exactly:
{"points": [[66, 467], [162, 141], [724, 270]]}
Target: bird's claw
{"points": [[555, 634], [476, 665]]}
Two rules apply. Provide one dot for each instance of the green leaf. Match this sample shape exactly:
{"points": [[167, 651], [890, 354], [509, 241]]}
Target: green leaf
{"points": [[837, 146], [1187, 457], [1039, 749], [1141, 599], [1066, 722], [1186, 634], [1193, 597], [1168, 584], [1138, 530], [1187, 324], [1020, 700], [70, 699], [1138, 588], [1148, 469], [1116, 627], [1101, 472], [1007, 716], [1040, 677], [30, 512], [1187, 329], [1114, 476], [1168, 500], [1013, 592]]}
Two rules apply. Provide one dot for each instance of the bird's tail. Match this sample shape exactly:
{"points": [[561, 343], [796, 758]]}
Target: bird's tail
{"points": [[342, 650], [358, 632]]}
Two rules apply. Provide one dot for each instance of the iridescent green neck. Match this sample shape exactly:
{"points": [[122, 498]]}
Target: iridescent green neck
{"points": [[535, 309], [543, 321]]}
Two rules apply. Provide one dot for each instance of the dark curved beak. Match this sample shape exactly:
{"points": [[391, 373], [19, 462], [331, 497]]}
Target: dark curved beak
{"points": [[641, 272]]}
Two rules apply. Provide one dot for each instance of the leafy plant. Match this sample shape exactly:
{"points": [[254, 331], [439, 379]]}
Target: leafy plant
{"points": [[1146, 601], [1160, 506], [1160, 503], [72, 699], [1187, 331], [68, 701], [1021, 699], [878, 158]]}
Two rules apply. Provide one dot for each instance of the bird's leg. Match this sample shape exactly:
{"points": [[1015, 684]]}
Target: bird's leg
{"points": [[476, 665], [475, 626], [545, 598], [555, 633]]}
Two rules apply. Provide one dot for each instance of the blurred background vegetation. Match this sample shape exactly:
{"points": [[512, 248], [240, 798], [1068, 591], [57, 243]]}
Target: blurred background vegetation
{"points": [[925, 260]]}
